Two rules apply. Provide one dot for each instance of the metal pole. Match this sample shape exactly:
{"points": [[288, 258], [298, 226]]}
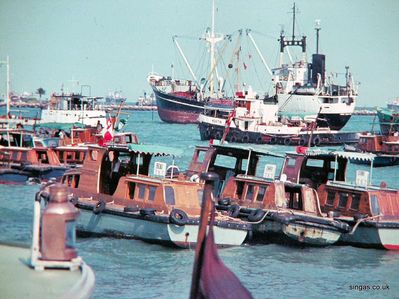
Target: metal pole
{"points": [[185, 59], [259, 53], [249, 157]]}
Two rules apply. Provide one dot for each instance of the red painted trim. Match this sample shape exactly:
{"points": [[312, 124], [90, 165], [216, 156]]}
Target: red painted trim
{"points": [[391, 246]]}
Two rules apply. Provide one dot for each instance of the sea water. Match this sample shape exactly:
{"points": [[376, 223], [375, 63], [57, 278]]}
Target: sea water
{"points": [[135, 269]]}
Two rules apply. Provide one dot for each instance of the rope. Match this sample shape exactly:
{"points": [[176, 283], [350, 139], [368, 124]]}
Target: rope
{"points": [[362, 220]]}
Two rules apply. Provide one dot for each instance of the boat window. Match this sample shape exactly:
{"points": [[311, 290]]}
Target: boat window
{"points": [[201, 156], [15, 156], [61, 156], [141, 191], [24, 156], [355, 201], [314, 163], [151, 195], [261, 193], [225, 161], [200, 194], [240, 189], [69, 156], [128, 139], [291, 162], [77, 179], [117, 139], [69, 182], [250, 192], [375, 208], [132, 187], [343, 199], [330, 198], [169, 195], [94, 155]]}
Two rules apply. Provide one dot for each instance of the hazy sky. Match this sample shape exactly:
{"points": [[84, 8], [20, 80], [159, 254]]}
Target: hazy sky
{"points": [[113, 45]]}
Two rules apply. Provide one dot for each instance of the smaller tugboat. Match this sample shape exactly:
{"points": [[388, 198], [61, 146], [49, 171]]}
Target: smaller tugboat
{"points": [[385, 148], [371, 211], [255, 120], [52, 261], [118, 196], [20, 161]]}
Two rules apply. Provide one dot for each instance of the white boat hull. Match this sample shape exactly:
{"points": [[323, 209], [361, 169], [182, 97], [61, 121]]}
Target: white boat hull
{"points": [[156, 232]]}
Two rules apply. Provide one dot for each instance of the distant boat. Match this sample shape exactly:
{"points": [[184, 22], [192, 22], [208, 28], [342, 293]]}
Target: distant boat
{"points": [[394, 105], [389, 120]]}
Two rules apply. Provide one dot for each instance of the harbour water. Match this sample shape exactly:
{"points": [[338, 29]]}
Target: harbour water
{"points": [[134, 269]]}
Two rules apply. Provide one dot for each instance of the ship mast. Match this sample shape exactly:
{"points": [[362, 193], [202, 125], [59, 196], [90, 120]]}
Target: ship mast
{"points": [[317, 28], [293, 42], [7, 63], [213, 39]]}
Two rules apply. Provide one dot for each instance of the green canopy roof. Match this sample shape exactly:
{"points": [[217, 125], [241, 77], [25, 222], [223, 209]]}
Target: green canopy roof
{"points": [[60, 126], [257, 149], [156, 150]]}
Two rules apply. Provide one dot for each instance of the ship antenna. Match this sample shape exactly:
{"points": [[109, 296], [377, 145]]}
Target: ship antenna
{"points": [[317, 28], [293, 22]]}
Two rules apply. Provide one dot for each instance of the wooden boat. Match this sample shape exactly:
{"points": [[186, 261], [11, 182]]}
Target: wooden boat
{"points": [[19, 162], [371, 211], [72, 150], [117, 196], [279, 211], [385, 148]]}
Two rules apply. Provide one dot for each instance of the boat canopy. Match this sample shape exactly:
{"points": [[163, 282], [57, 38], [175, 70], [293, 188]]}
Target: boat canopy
{"points": [[355, 156], [155, 150], [256, 149], [60, 126], [342, 154]]}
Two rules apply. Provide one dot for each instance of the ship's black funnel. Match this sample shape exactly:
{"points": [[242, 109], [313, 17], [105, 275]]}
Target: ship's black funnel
{"points": [[318, 67]]}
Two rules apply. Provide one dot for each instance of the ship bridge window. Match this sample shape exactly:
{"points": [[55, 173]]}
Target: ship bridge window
{"points": [[169, 195], [151, 195], [141, 191], [261, 193], [343, 199], [250, 192], [132, 188], [330, 198], [375, 207], [355, 201]]}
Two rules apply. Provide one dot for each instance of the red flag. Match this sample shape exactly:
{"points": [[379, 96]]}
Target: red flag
{"points": [[227, 125], [108, 135]]}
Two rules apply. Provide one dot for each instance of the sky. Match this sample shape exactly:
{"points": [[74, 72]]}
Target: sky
{"points": [[113, 45]]}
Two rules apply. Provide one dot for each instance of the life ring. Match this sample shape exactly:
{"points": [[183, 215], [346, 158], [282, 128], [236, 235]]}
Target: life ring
{"points": [[302, 141], [259, 140], [131, 209], [245, 138], [195, 178], [224, 201], [233, 138], [233, 211], [74, 200], [287, 141], [316, 141], [256, 215], [99, 207], [178, 217], [273, 140], [147, 211], [218, 135]]}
